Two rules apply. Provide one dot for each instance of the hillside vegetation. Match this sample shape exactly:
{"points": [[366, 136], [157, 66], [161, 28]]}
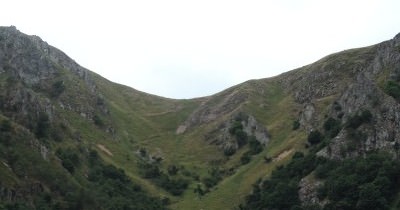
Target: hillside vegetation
{"points": [[71, 139]]}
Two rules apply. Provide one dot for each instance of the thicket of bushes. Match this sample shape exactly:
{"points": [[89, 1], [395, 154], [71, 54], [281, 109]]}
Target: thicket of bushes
{"points": [[280, 191], [105, 186], [176, 185], [368, 182], [361, 183], [242, 139]]}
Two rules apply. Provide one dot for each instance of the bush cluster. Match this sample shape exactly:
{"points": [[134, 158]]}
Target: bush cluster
{"points": [[69, 159], [255, 147], [361, 183], [355, 121], [176, 186], [242, 139], [280, 191]]}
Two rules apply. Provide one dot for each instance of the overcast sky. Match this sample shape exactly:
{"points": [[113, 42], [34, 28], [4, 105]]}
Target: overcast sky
{"points": [[185, 49]]}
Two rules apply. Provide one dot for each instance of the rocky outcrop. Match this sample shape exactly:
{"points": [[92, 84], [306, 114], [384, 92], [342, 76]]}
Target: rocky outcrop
{"points": [[227, 141], [33, 60], [308, 191], [36, 79], [351, 81], [12, 194], [213, 108], [254, 128], [365, 93]]}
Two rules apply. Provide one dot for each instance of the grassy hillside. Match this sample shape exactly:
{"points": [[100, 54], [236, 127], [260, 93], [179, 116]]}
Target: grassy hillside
{"points": [[65, 122]]}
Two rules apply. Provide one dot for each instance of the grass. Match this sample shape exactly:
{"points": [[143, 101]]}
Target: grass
{"points": [[152, 122], [230, 192]]}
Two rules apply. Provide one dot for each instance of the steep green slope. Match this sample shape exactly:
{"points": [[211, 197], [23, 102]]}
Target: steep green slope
{"points": [[53, 121], [349, 100]]}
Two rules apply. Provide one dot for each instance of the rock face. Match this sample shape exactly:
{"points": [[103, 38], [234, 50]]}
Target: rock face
{"points": [[349, 82], [227, 141], [32, 59], [254, 128], [216, 107], [308, 190], [12, 195], [36, 72], [353, 86]]}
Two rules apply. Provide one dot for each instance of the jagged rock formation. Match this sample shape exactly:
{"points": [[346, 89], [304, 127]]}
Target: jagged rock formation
{"points": [[222, 136], [29, 62], [363, 89], [214, 107], [349, 82]]}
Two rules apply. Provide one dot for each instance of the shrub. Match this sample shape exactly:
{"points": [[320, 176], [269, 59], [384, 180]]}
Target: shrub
{"points": [[241, 138], [357, 120], [267, 159], [69, 159], [241, 117], [229, 151], [67, 164], [172, 170], [315, 137], [199, 190], [148, 170], [255, 146], [42, 126], [366, 116], [57, 88], [236, 129], [143, 152], [393, 89], [98, 121], [236, 126], [337, 106], [298, 155], [214, 176], [296, 125], [332, 127], [246, 157], [5, 126], [151, 171], [210, 182]]}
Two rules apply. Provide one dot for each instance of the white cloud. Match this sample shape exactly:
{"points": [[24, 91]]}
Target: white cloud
{"points": [[184, 49]]}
